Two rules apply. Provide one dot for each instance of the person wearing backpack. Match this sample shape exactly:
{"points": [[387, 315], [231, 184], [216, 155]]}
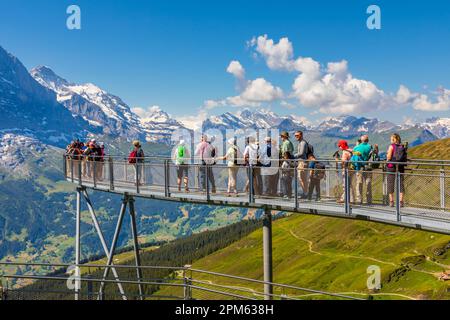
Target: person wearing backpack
{"points": [[286, 176], [303, 150], [181, 156], [316, 174], [136, 158], [345, 161], [361, 155], [206, 152], [269, 171], [100, 152], [90, 156], [232, 157], [252, 154], [396, 156]]}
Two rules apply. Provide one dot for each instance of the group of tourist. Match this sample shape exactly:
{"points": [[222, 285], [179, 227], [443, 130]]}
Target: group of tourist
{"points": [[267, 174], [273, 176], [91, 156]]}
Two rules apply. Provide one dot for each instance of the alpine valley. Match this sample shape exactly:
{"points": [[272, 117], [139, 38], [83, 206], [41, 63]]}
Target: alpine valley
{"points": [[42, 112]]}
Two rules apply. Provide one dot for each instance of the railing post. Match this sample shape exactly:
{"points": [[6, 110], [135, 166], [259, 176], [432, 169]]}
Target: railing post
{"points": [[327, 182], [80, 182], [71, 169], [346, 190], [208, 194], [94, 173], [166, 178], [397, 194], [267, 253], [442, 188], [385, 193], [296, 184], [187, 281], [251, 198], [65, 166], [136, 166], [111, 173]]}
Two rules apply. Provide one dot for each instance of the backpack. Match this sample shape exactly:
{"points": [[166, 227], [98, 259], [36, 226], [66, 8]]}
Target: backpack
{"points": [[132, 157], [181, 152], [235, 156], [356, 161], [399, 155], [374, 160], [98, 154], [319, 170], [213, 151], [309, 148], [209, 154]]}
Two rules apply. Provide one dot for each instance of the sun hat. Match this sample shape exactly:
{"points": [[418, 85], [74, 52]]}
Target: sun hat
{"points": [[284, 134], [136, 143], [342, 144]]}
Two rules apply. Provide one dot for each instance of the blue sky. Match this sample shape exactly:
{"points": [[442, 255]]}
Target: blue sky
{"points": [[175, 53]]}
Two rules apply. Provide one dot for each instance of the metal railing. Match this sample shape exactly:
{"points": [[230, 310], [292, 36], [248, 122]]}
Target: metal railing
{"points": [[421, 190], [185, 283]]}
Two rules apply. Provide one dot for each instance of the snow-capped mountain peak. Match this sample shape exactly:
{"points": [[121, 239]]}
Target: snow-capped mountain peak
{"points": [[105, 110], [440, 127]]}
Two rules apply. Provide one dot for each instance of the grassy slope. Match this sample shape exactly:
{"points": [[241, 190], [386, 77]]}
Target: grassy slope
{"points": [[439, 149], [333, 254]]}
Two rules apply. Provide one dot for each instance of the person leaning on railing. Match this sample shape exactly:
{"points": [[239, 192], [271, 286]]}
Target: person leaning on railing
{"points": [[231, 157], [302, 156], [396, 154], [363, 175], [269, 167], [286, 176], [345, 159], [137, 158], [181, 154]]}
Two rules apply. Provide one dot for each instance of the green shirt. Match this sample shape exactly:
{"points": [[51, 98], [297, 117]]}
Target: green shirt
{"points": [[287, 146], [363, 148]]}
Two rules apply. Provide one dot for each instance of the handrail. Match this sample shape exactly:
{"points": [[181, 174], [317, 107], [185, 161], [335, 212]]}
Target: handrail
{"points": [[189, 160], [171, 281]]}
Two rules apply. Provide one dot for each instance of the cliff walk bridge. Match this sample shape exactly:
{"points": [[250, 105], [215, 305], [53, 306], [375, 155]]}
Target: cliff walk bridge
{"points": [[418, 197]]}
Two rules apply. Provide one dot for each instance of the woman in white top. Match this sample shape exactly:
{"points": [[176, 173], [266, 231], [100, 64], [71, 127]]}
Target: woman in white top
{"points": [[231, 156]]}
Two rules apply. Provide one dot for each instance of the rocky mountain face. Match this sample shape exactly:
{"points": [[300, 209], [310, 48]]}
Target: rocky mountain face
{"points": [[251, 119], [440, 127], [351, 126], [26, 105], [106, 111]]}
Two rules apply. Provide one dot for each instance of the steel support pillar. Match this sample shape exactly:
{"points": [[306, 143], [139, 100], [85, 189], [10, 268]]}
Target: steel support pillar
{"points": [[77, 244], [110, 255], [136, 246], [267, 253], [102, 240]]}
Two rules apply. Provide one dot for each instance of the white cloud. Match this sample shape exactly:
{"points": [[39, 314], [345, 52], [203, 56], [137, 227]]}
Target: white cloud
{"points": [[260, 90], [287, 105], [404, 95], [236, 69], [329, 89], [145, 113], [193, 122], [442, 103], [278, 56], [252, 92], [334, 89]]}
